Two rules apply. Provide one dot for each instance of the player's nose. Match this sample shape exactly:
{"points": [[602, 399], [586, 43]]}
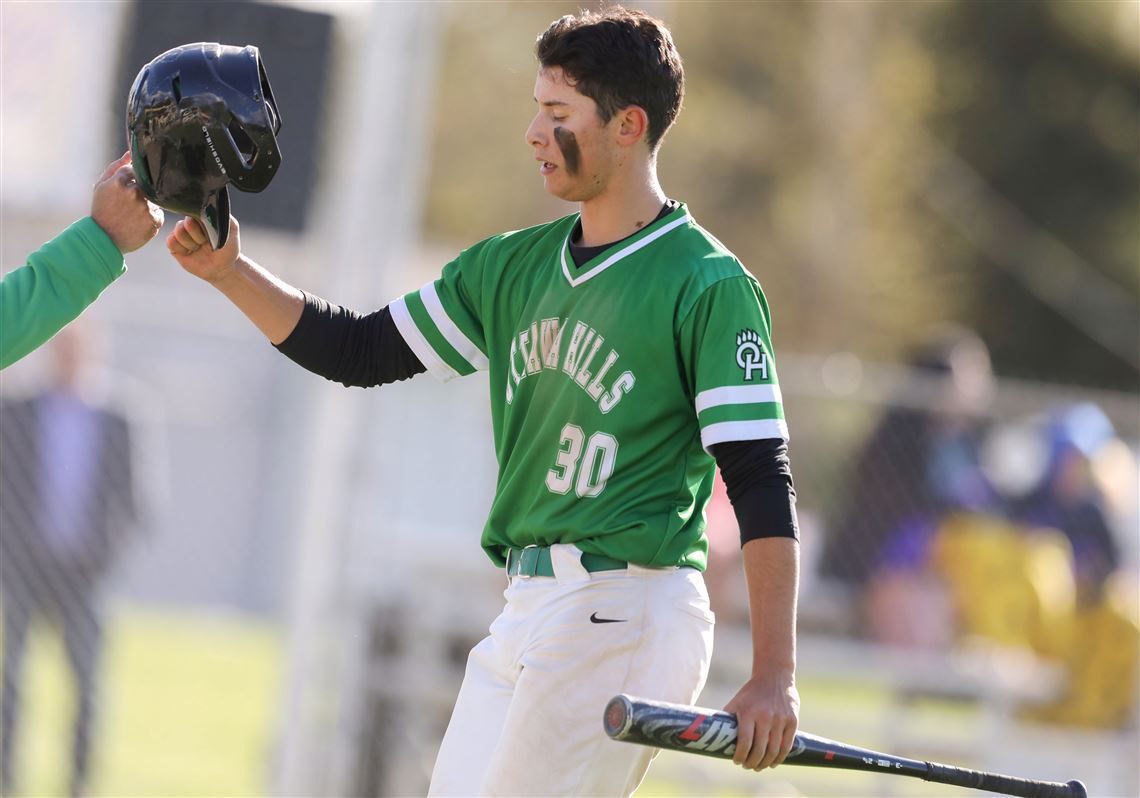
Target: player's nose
{"points": [[534, 135]]}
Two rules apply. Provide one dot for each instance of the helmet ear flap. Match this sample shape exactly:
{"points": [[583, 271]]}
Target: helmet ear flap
{"points": [[215, 217], [141, 166], [268, 99]]}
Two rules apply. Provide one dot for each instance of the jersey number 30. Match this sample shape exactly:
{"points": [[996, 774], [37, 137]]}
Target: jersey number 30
{"points": [[593, 467]]}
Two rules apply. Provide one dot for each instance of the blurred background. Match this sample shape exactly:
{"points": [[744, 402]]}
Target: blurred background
{"points": [[280, 582]]}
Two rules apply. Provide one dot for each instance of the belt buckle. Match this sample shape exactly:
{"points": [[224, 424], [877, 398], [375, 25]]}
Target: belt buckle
{"points": [[525, 562], [528, 561]]}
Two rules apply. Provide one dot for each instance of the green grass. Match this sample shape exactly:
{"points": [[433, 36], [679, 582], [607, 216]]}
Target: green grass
{"points": [[190, 706], [187, 708]]}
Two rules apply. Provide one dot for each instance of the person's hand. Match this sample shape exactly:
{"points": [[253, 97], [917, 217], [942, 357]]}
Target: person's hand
{"points": [[191, 248], [119, 207], [767, 710]]}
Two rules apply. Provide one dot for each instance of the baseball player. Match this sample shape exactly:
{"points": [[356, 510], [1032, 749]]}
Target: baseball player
{"points": [[629, 353]]}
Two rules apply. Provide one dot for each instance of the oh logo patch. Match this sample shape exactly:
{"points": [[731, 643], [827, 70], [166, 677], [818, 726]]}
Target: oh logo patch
{"points": [[750, 355]]}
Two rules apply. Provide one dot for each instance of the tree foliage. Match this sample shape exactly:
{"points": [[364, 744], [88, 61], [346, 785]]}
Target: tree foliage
{"points": [[821, 141]]}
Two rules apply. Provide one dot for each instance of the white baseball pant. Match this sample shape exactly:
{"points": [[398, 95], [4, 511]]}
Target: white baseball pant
{"points": [[528, 719]]}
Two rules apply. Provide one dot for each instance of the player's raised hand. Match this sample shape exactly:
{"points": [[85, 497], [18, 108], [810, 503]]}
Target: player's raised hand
{"points": [[767, 712], [191, 248], [119, 207]]}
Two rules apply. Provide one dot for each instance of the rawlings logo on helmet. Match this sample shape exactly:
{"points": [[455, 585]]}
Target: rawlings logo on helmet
{"points": [[213, 149]]}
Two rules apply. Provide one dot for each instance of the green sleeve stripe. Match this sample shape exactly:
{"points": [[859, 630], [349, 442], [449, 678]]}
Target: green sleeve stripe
{"points": [[417, 342], [743, 431], [450, 330], [756, 412], [435, 338]]}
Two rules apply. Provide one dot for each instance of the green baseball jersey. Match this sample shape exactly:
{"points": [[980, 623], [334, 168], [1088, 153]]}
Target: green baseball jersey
{"points": [[609, 381]]}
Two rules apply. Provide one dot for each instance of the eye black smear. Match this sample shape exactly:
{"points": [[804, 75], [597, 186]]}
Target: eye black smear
{"points": [[568, 143]]}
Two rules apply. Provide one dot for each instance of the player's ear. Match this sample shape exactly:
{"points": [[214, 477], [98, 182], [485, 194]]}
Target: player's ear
{"points": [[632, 125]]}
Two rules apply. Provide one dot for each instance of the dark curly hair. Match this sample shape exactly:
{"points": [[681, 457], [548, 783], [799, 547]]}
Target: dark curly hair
{"points": [[618, 57]]}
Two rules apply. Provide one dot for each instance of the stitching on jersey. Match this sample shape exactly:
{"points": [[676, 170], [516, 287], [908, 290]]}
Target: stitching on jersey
{"points": [[743, 275], [675, 508]]}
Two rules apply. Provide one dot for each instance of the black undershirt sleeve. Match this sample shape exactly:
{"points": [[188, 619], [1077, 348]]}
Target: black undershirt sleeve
{"points": [[343, 346], [758, 476]]}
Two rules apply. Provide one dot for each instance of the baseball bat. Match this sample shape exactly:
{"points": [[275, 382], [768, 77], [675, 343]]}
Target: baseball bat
{"points": [[712, 733]]}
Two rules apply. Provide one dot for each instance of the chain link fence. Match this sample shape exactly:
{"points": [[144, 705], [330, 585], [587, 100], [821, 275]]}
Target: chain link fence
{"points": [[926, 525], [941, 509]]}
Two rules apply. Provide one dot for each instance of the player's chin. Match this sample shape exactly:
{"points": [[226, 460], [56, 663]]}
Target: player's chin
{"points": [[555, 189], [567, 193], [557, 186]]}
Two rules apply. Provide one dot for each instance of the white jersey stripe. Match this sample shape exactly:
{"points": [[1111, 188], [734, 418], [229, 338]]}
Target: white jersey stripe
{"points": [[463, 345], [743, 431], [737, 395], [621, 253], [418, 343]]}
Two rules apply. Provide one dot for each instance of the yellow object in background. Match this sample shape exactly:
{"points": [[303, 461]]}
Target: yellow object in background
{"points": [[1013, 587], [1016, 587], [1103, 666]]}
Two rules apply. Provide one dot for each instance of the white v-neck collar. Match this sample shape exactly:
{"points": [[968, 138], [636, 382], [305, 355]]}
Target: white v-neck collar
{"points": [[628, 249]]}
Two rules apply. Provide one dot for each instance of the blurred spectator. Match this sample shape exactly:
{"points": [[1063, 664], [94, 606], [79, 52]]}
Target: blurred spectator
{"points": [[1069, 499], [919, 465], [66, 505], [1085, 495]]}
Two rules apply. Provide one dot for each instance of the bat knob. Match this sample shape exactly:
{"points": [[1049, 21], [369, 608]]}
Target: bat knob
{"points": [[1078, 789], [618, 716]]}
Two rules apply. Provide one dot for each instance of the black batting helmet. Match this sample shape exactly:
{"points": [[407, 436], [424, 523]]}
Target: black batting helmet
{"points": [[201, 116]]}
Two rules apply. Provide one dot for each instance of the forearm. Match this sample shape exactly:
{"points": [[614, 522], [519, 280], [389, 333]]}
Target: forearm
{"points": [[353, 349], [271, 304], [758, 478], [55, 285], [772, 569]]}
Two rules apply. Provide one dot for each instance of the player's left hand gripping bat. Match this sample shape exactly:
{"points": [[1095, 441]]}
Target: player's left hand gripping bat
{"points": [[712, 733]]}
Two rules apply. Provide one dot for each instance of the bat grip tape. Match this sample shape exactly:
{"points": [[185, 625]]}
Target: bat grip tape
{"points": [[1009, 785]]}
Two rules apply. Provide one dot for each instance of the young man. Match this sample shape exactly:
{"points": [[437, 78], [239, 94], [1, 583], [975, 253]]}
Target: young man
{"points": [[66, 274], [626, 348]]}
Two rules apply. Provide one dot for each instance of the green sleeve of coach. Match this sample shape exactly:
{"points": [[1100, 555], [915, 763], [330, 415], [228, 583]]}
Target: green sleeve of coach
{"points": [[58, 281]]}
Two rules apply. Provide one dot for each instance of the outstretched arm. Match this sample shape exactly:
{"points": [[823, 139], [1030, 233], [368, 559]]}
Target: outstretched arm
{"points": [[271, 304], [334, 342], [64, 276]]}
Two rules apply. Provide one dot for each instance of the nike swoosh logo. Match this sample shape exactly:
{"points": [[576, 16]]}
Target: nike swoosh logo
{"points": [[595, 619]]}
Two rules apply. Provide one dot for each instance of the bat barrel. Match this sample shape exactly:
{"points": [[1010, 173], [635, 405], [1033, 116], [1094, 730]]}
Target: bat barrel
{"points": [[662, 725], [709, 732]]}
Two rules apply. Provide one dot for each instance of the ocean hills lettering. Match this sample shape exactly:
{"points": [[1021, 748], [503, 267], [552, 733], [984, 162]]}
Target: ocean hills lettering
{"points": [[545, 346]]}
